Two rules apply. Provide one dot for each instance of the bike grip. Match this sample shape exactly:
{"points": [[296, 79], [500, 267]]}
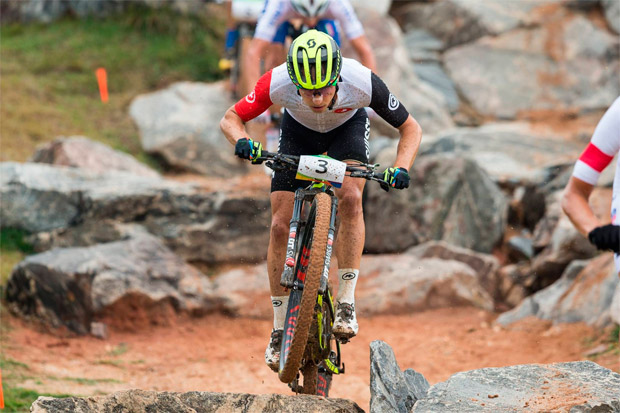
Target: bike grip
{"points": [[385, 186]]}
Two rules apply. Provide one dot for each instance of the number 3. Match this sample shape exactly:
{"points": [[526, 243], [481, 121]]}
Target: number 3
{"points": [[323, 164]]}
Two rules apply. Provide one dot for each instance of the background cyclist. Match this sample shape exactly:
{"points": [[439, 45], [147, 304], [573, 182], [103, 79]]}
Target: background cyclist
{"points": [[324, 113], [604, 145], [272, 27]]}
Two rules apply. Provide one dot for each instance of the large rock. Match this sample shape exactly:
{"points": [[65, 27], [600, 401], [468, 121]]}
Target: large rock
{"points": [[181, 124], [121, 280], [486, 266], [245, 291], [67, 204], [38, 197], [569, 64], [425, 103], [450, 198], [392, 390], [508, 152], [581, 386], [194, 402], [400, 284], [557, 243], [47, 11], [584, 296], [81, 152], [611, 9], [462, 21]]}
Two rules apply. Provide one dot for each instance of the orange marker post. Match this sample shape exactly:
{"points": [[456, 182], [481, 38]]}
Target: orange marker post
{"points": [[1, 392], [102, 80]]}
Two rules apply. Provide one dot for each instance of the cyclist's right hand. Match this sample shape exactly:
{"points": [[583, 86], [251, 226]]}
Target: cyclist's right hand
{"points": [[246, 148]]}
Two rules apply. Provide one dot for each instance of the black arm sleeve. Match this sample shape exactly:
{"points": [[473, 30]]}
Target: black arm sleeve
{"points": [[386, 104]]}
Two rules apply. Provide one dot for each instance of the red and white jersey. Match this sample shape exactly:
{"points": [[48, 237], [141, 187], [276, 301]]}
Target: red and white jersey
{"points": [[278, 11], [603, 146], [358, 87], [599, 153]]}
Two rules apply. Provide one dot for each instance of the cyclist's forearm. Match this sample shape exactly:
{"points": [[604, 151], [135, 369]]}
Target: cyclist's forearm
{"points": [[364, 51], [232, 126], [251, 63], [576, 206], [409, 143]]}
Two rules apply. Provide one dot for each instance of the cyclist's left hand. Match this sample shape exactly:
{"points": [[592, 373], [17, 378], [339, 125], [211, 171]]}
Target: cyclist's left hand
{"points": [[246, 148], [396, 177]]}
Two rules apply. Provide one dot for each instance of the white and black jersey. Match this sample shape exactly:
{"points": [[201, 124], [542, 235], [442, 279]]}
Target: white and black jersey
{"points": [[358, 87]]}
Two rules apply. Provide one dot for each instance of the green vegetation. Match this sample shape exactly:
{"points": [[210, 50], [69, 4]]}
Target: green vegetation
{"points": [[13, 249], [18, 399], [49, 88]]}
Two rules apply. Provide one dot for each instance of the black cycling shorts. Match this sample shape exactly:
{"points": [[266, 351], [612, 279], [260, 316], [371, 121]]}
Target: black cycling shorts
{"points": [[347, 141]]}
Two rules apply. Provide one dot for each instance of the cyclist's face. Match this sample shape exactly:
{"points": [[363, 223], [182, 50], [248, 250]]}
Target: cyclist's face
{"points": [[318, 99]]}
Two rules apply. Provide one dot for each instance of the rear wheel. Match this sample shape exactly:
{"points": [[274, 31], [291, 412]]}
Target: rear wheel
{"points": [[300, 311]]}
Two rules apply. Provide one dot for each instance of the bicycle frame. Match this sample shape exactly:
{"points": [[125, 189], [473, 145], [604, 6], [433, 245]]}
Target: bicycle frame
{"points": [[293, 278]]}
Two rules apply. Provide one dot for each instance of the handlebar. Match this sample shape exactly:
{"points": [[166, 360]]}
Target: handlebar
{"points": [[279, 162]]}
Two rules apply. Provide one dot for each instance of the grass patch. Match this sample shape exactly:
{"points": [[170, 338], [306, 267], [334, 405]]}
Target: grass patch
{"points": [[115, 363], [13, 249], [614, 337], [119, 350], [88, 382], [17, 399], [49, 88]]}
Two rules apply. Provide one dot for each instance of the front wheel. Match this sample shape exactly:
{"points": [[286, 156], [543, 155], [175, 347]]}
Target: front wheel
{"points": [[309, 267]]}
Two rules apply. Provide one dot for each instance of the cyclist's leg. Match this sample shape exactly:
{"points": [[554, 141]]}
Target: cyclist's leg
{"points": [[352, 144]]}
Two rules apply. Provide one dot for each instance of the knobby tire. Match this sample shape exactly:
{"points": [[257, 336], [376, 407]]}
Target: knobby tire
{"points": [[317, 237]]}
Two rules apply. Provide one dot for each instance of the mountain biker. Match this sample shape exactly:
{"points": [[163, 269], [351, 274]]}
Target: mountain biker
{"points": [[313, 13], [324, 96], [603, 146]]}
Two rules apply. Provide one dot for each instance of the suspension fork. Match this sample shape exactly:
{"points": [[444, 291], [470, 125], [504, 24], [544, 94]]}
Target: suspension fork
{"points": [[330, 245], [288, 274]]}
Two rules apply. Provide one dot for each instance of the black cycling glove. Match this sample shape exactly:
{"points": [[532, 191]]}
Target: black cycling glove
{"points": [[606, 237], [248, 149], [396, 177]]}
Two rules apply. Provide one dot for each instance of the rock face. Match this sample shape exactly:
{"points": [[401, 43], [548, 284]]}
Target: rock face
{"points": [[544, 74], [73, 287], [581, 386], [181, 124], [69, 202], [506, 151], [392, 390], [393, 66], [81, 152], [450, 198], [583, 295], [194, 402], [396, 284], [486, 266]]}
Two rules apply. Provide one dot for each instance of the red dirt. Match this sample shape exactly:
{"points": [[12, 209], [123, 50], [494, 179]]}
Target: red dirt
{"points": [[223, 354]]}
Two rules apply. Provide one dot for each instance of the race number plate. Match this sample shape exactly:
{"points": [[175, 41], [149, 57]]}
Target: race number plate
{"points": [[321, 168]]}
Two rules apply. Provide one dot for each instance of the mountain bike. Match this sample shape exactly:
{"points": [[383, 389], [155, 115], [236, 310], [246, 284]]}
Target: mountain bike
{"points": [[309, 348]]}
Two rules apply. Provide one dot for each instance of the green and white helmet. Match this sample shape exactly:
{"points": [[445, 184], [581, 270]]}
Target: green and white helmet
{"points": [[314, 60]]}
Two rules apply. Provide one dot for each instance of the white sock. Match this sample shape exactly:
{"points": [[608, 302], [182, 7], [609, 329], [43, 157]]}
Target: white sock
{"points": [[280, 305], [347, 279]]}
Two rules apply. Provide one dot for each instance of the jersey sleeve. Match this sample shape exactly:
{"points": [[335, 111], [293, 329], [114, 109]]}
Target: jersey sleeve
{"points": [[274, 14], [603, 146], [258, 101], [343, 12], [386, 104]]}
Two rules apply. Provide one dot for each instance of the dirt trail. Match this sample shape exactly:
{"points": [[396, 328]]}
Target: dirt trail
{"points": [[218, 353]]}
